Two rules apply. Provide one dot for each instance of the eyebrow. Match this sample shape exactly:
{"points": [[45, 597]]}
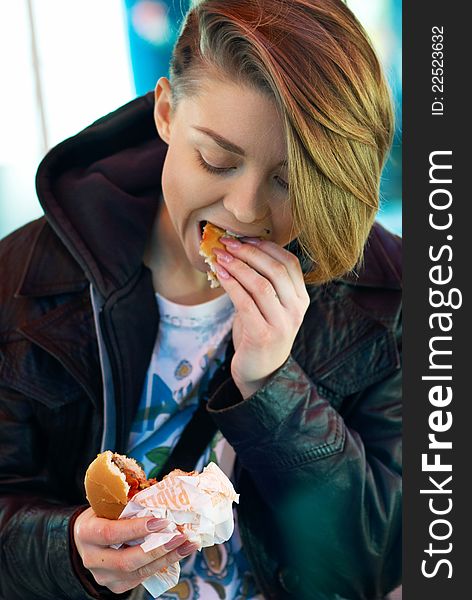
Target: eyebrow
{"points": [[227, 145]]}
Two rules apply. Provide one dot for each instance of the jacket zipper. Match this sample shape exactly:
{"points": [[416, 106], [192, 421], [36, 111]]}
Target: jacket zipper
{"points": [[109, 415]]}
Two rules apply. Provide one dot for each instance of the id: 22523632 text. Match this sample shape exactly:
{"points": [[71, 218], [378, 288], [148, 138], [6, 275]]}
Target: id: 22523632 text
{"points": [[437, 70]]}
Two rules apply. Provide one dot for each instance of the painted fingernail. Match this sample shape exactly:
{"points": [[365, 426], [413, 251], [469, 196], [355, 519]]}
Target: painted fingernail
{"points": [[187, 548], [157, 524], [231, 242], [222, 255], [253, 241], [175, 542], [221, 272]]}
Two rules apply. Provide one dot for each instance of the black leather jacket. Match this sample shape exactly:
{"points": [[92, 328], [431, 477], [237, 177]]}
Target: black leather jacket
{"points": [[318, 447]]}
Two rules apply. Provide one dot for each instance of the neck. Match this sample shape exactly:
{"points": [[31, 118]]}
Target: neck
{"points": [[172, 274]]}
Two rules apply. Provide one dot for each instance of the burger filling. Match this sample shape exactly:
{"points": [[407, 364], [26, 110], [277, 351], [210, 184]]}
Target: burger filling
{"points": [[136, 483], [135, 476]]}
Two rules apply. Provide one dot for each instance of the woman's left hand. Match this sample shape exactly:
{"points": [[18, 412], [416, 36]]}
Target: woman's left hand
{"points": [[265, 283]]}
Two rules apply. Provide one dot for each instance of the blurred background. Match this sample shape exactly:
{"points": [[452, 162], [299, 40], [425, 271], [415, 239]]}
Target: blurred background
{"points": [[65, 63]]}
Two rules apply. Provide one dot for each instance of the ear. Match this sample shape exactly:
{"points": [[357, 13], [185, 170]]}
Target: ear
{"points": [[163, 108]]}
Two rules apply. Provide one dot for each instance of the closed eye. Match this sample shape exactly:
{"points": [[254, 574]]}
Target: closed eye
{"points": [[282, 183], [223, 170], [211, 168]]}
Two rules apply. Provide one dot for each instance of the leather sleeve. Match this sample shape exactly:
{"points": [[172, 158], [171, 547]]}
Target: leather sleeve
{"points": [[35, 546], [331, 484]]}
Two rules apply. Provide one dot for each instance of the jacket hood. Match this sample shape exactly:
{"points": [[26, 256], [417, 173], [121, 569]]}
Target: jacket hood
{"points": [[100, 190]]}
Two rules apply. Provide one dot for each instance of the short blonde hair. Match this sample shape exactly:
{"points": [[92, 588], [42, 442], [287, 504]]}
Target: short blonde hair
{"points": [[315, 61]]}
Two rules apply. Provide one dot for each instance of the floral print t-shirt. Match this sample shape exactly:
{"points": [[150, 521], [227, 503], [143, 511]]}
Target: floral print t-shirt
{"points": [[190, 345]]}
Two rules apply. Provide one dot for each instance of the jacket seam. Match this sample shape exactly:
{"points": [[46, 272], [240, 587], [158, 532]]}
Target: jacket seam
{"points": [[30, 390], [387, 258], [31, 252], [324, 450], [57, 313], [367, 381], [10, 546], [347, 354]]}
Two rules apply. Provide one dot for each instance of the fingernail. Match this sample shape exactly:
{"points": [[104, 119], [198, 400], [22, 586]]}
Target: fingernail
{"points": [[221, 272], [222, 255], [174, 542], [157, 524], [231, 242], [253, 241], [187, 548]]}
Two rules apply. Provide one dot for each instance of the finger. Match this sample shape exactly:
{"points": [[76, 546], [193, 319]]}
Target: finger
{"points": [[105, 532], [288, 259], [165, 561], [244, 303], [122, 582], [271, 260], [261, 263], [130, 559], [109, 580], [258, 288], [134, 561]]}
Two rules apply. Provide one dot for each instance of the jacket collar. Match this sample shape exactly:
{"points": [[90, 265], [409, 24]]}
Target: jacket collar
{"points": [[381, 266], [50, 268]]}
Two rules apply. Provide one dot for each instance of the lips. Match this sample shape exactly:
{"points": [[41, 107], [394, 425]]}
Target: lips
{"points": [[235, 233], [229, 231]]}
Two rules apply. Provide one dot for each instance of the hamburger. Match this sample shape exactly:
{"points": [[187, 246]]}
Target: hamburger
{"points": [[111, 480], [211, 235], [211, 239]]}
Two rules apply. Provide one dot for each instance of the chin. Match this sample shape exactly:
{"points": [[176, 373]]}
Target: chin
{"points": [[194, 258]]}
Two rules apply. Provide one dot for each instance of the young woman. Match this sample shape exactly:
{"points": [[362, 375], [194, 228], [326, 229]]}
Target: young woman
{"points": [[274, 125]]}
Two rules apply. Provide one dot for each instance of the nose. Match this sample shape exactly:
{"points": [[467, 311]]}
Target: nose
{"points": [[248, 205]]}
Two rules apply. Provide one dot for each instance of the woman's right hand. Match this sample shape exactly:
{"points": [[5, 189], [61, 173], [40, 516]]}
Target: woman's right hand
{"points": [[123, 569]]}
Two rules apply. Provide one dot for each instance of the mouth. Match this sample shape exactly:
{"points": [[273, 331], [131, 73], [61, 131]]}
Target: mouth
{"points": [[231, 232]]}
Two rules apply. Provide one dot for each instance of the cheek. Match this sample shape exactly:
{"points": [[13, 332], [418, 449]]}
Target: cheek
{"points": [[181, 178], [174, 182], [283, 226], [168, 178]]}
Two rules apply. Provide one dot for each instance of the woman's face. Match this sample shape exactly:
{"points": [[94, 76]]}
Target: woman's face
{"points": [[226, 163]]}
